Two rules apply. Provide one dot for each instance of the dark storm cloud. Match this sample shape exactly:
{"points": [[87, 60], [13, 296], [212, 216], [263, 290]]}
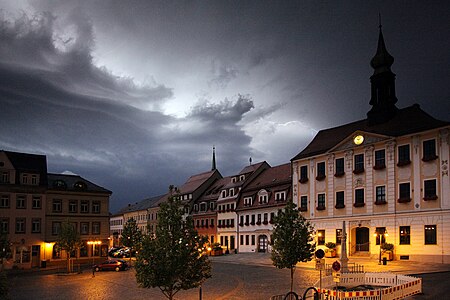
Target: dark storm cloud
{"points": [[55, 101]]}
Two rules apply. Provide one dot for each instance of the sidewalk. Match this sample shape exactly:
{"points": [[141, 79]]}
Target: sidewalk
{"points": [[370, 264]]}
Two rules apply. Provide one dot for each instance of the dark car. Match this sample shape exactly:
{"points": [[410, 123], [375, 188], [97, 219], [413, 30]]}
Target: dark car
{"points": [[111, 265]]}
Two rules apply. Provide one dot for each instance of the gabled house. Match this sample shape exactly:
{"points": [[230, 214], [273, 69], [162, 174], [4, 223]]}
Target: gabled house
{"points": [[227, 203], [23, 185], [259, 202]]}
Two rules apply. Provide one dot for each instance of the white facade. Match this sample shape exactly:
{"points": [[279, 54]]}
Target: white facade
{"points": [[416, 224]]}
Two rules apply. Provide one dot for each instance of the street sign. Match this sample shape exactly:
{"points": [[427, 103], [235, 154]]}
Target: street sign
{"points": [[336, 266], [320, 264], [319, 253], [336, 277]]}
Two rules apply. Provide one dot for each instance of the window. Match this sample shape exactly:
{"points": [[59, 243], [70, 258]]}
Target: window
{"points": [[247, 220], [258, 220], [36, 225], [73, 206], [359, 164], [303, 174], [253, 239], [223, 194], [231, 192], [242, 239], [242, 178], [80, 185], [4, 225], [21, 202], [340, 201], [211, 222], [36, 202], [380, 194], [24, 178], [56, 228], [96, 207], [265, 218], [338, 236], [359, 198], [339, 166], [203, 206], [84, 228], [429, 150], [320, 201], [5, 177], [263, 197], [57, 205], [429, 189], [404, 192], [20, 225], [280, 196], [303, 203], [4, 201], [380, 160], [34, 180], [405, 235], [380, 235], [320, 237], [211, 205], [241, 222], [247, 239], [403, 155], [96, 227], [320, 171], [430, 235], [84, 207], [253, 220], [248, 201]]}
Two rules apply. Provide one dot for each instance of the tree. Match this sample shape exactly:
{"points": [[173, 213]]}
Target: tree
{"points": [[131, 236], [68, 240], [292, 239], [172, 258]]}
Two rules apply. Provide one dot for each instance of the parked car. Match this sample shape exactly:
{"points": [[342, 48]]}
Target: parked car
{"points": [[119, 252], [112, 265]]}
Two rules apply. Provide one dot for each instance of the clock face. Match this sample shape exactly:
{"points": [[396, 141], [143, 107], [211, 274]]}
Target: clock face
{"points": [[358, 140]]}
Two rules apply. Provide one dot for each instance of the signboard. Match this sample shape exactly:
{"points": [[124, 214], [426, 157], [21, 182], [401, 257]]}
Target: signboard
{"points": [[336, 277], [336, 266], [319, 253], [320, 264]]}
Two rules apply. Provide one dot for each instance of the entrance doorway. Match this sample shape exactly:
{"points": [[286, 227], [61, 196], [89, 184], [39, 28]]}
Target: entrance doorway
{"points": [[35, 255], [362, 239], [232, 242], [262, 243]]}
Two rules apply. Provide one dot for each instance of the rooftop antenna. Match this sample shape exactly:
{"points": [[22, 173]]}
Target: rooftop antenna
{"points": [[250, 160]]}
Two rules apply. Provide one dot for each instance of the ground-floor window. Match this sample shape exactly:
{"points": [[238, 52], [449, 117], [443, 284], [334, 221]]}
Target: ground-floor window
{"points": [[320, 237], [405, 235], [430, 235]]}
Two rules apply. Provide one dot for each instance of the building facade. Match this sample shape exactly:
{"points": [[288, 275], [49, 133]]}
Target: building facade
{"points": [[386, 175]]}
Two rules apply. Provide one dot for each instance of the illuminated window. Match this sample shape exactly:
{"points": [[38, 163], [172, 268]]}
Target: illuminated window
{"points": [[320, 237], [405, 235]]}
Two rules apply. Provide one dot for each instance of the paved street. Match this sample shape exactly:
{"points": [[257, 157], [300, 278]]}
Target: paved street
{"points": [[241, 276]]}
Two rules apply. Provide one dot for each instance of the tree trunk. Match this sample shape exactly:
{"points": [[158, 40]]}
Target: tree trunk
{"points": [[68, 264], [292, 279]]}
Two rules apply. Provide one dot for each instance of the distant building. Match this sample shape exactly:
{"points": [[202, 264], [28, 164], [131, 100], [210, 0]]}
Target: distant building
{"points": [[259, 202], [386, 175], [33, 205]]}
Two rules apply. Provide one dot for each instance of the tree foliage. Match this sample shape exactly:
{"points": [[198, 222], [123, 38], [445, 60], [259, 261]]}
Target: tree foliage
{"points": [[292, 239], [5, 248], [170, 259], [68, 240], [131, 236]]}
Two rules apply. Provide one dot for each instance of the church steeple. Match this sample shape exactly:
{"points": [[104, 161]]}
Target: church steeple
{"points": [[383, 97], [213, 167]]}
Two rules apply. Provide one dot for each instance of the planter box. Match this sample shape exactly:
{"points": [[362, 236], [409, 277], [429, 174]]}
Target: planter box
{"points": [[330, 253], [216, 252], [388, 254]]}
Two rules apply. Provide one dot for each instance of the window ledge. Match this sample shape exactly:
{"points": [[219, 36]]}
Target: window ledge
{"points": [[358, 204], [430, 198], [429, 158], [320, 177], [358, 171], [339, 206], [320, 207], [380, 202], [379, 167], [303, 180], [340, 174], [403, 163], [404, 200], [302, 208]]}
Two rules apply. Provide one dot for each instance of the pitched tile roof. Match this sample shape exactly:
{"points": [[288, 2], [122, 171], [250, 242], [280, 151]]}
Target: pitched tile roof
{"points": [[195, 181], [32, 163], [408, 120], [142, 205]]}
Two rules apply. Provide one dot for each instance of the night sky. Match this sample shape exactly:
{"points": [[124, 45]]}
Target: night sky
{"points": [[133, 95]]}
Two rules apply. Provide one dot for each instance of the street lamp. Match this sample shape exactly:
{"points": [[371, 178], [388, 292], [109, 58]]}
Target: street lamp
{"points": [[380, 235], [93, 243]]}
